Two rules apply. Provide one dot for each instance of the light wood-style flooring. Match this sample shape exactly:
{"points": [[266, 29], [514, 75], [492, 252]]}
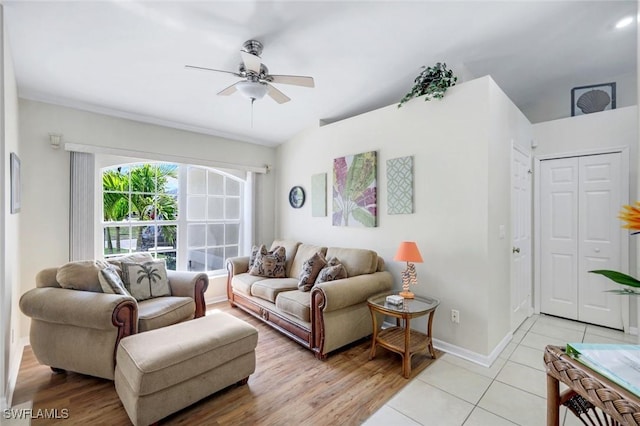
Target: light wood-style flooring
{"points": [[289, 387]]}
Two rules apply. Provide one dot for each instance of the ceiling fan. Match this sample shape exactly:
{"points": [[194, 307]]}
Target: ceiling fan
{"points": [[256, 83]]}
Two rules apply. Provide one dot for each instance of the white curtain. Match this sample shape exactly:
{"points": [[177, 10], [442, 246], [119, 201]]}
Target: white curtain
{"points": [[81, 216]]}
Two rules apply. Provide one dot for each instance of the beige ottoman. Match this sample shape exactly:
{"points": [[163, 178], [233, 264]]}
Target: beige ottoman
{"points": [[162, 371]]}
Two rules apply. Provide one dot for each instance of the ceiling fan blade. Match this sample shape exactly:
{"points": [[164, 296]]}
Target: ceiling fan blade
{"points": [[193, 67], [251, 62], [296, 80], [229, 90], [277, 95]]}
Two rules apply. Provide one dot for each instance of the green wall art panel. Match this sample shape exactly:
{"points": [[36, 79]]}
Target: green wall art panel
{"points": [[355, 190], [319, 195], [400, 185]]}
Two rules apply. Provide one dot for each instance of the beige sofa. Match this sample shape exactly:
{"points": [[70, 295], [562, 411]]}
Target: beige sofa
{"points": [[331, 315], [80, 331]]}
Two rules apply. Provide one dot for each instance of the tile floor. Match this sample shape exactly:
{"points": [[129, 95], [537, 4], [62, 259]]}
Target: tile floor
{"points": [[455, 392]]}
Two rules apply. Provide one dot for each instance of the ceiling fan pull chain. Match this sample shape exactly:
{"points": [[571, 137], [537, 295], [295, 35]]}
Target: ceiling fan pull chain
{"points": [[252, 101]]}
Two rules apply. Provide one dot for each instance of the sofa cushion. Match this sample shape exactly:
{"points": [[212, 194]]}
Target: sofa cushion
{"points": [[242, 282], [163, 311], [111, 282], [268, 289], [355, 261], [334, 271], [81, 275], [129, 258], [296, 303], [304, 253], [310, 270], [252, 258], [269, 264], [291, 248], [146, 280]]}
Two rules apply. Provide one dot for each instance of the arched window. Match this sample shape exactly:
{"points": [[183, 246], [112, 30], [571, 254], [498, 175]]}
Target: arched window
{"points": [[188, 215]]}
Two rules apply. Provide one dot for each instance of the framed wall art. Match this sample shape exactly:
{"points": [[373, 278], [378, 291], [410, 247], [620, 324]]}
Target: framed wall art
{"points": [[594, 98], [355, 190]]}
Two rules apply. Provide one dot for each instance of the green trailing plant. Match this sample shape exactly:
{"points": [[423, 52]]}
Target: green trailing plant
{"points": [[433, 82]]}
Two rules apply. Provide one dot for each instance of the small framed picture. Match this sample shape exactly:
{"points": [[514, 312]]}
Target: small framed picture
{"points": [[16, 199], [595, 98]]}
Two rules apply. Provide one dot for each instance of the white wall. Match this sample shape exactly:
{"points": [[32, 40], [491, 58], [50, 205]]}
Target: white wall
{"points": [[616, 128], [452, 142], [45, 206], [9, 316]]}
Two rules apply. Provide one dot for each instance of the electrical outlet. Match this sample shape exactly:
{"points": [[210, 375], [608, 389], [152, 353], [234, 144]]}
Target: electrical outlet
{"points": [[455, 316]]}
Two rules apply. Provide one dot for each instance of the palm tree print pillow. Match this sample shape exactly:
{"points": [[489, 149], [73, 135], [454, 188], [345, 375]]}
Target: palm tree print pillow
{"points": [[146, 280]]}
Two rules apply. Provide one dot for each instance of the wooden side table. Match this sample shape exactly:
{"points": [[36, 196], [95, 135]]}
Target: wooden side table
{"points": [[592, 397], [401, 338]]}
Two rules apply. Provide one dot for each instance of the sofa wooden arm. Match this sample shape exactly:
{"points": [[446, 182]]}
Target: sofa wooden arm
{"points": [[190, 284]]}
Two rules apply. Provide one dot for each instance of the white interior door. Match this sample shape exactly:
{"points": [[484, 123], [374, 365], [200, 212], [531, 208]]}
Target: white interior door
{"points": [[599, 238], [580, 198], [559, 237], [521, 238]]}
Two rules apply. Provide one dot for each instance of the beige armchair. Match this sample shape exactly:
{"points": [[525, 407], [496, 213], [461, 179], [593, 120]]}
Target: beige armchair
{"points": [[80, 330]]}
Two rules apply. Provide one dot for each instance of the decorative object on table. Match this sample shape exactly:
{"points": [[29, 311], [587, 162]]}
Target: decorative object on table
{"points": [[594, 98], [408, 252], [296, 197], [319, 195], [433, 82], [16, 185], [394, 299], [400, 185], [355, 190]]}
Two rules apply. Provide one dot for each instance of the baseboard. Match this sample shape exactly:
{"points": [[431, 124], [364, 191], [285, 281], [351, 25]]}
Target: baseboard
{"points": [[483, 360], [633, 330], [14, 368], [218, 299]]}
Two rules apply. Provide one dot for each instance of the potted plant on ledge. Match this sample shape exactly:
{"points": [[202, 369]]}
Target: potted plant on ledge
{"points": [[433, 82]]}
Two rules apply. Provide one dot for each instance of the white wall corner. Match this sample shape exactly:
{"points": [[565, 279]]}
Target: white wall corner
{"points": [[483, 360]]}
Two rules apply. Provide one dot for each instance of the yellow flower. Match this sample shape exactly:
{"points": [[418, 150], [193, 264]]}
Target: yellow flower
{"points": [[631, 215]]}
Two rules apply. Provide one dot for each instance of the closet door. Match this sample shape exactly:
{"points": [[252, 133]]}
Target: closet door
{"points": [[600, 202], [580, 199], [559, 237]]}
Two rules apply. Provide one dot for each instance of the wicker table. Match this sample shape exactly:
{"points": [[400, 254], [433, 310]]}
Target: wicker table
{"points": [[591, 396], [401, 338]]}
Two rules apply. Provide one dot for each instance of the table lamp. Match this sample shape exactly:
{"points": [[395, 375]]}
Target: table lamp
{"points": [[408, 252]]}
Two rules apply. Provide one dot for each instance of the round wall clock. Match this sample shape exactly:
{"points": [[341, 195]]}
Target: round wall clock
{"points": [[296, 197]]}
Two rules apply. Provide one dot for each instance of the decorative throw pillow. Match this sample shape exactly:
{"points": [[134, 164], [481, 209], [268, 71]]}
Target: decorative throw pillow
{"points": [[254, 252], [269, 264], [146, 280], [111, 282], [333, 271], [310, 270], [81, 275]]}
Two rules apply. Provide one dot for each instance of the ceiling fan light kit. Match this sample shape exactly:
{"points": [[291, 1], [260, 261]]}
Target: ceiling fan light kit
{"points": [[256, 83], [253, 90]]}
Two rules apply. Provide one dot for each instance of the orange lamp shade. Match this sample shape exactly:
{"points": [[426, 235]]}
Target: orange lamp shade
{"points": [[408, 252]]}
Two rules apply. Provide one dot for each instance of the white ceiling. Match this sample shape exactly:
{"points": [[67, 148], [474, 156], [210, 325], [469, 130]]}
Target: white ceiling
{"points": [[127, 58]]}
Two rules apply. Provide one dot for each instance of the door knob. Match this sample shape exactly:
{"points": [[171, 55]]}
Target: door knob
{"points": [[515, 250]]}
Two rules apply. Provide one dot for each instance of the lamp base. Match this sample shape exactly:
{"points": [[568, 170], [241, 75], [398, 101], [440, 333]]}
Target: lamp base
{"points": [[407, 294]]}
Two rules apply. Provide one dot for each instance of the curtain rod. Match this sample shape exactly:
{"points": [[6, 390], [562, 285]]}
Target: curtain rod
{"points": [[94, 149]]}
